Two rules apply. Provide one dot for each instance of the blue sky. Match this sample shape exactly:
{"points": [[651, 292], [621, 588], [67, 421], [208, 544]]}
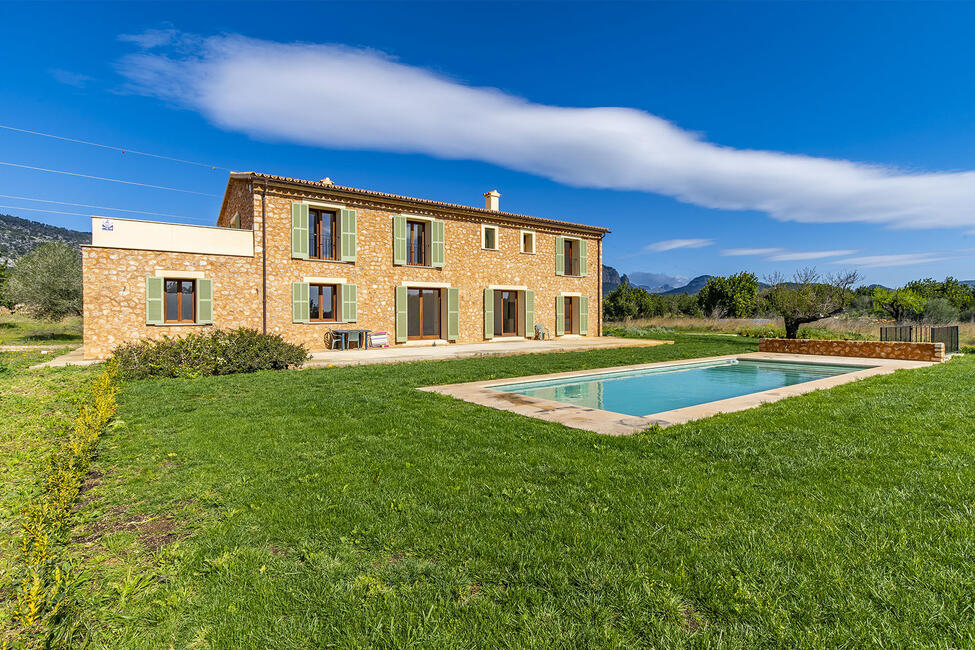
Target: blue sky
{"points": [[737, 119]]}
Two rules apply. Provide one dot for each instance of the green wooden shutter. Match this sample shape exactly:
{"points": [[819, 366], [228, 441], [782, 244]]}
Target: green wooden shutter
{"points": [[559, 256], [348, 244], [204, 301], [489, 313], [453, 314], [299, 302], [584, 315], [399, 240], [529, 313], [583, 257], [299, 230], [436, 244], [350, 303], [559, 315], [154, 301], [402, 315]]}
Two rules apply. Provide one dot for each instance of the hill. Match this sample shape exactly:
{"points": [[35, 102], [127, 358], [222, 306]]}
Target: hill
{"points": [[695, 285], [20, 236], [611, 279]]}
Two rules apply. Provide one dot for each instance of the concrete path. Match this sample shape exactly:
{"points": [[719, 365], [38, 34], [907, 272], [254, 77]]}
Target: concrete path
{"points": [[75, 357], [400, 353]]}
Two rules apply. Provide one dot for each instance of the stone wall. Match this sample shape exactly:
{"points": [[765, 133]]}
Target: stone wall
{"points": [[467, 267], [115, 294], [114, 301], [866, 349]]}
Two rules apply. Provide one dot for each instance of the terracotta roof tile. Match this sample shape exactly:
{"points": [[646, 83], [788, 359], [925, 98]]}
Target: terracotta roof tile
{"points": [[321, 185]]}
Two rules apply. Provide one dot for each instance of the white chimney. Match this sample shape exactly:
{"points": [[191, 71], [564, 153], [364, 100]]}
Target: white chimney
{"points": [[492, 200]]}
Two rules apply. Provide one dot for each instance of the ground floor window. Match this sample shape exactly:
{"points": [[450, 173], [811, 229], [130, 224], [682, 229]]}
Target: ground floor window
{"points": [[180, 301], [571, 324], [506, 310], [323, 302], [423, 313]]}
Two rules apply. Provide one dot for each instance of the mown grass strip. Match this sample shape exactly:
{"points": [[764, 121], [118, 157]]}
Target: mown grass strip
{"points": [[44, 583]]}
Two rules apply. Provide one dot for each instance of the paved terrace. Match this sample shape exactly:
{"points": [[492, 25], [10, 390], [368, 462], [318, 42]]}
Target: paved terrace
{"points": [[495, 348]]}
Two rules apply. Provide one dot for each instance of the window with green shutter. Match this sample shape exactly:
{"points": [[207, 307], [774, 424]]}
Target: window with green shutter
{"points": [[300, 302], [453, 314], [402, 315], [529, 313], [583, 257], [559, 315], [584, 315], [204, 301], [399, 240], [559, 256], [348, 242], [299, 230], [154, 301], [350, 301], [489, 313], [437, 244]]}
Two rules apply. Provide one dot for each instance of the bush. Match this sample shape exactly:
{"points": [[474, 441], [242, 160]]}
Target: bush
{"points": [[938, 311], [967, 349], [218, 352]]}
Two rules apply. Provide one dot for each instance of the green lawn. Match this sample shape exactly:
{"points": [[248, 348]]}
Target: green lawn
{"points": [[19, 329], [341, 508]]}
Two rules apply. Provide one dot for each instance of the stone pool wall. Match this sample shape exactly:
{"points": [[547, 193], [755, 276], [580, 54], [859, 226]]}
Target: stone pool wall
{"points": [[869, 349]]}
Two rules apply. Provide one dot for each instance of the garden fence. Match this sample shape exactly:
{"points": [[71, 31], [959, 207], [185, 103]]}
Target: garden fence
{"points": [[947, 334]]}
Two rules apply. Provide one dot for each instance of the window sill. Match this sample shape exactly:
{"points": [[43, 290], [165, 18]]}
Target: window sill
{"points": [[493, 250], [181, 325], [422, 266], [315, 259], [324, 322]]}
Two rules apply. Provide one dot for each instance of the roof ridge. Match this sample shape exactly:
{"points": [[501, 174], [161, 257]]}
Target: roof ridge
{"points": [[401, 197]]}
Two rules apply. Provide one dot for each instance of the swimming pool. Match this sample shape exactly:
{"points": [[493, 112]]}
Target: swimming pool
{"points": [[654, 390]]}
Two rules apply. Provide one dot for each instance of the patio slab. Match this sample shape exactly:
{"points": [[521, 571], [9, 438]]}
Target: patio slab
{"points": [[75, 357], [610, 423], [401, 353]]}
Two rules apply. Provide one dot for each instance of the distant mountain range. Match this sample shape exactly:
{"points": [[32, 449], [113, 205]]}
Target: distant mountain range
{"points": [[653, 282], [21, 236]]}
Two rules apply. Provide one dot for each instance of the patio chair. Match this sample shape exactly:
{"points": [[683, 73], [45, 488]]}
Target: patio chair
{"points": [[333, 339], [541, 332], [379, 340]]}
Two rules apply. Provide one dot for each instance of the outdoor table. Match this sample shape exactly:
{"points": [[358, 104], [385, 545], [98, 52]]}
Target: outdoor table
{"points": [[360, 335]]}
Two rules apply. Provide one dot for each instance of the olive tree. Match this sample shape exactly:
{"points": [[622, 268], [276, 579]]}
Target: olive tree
{"points": [[47, 281], [809, 297]]}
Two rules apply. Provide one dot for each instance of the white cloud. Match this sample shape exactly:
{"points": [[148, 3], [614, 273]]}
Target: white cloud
{"points": [[340, 97], [741, 252], [902, 259], [151, 38], [808, 255], [70, 78], [671, 244]]}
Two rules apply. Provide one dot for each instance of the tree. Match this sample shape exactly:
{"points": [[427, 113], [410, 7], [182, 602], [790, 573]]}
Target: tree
{"points": [[809, 297], [627, 301], [898, 304], [4, 273], [939, 311], [48, 281], [735, 296]]}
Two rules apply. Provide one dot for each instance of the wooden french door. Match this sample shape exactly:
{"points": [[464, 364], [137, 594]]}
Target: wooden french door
{"points": [[423, 313]]}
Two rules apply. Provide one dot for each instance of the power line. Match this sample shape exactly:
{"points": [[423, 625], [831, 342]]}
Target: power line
{"points": [[111, 180], [97, 207], [77, 214], [107, 146]]}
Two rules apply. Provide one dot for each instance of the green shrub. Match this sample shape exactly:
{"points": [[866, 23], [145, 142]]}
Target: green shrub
{"points": [[217, 352], [967, 349]]}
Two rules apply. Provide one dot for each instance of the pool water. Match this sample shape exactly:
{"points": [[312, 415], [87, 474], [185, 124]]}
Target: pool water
{"points": [[653, 390]]}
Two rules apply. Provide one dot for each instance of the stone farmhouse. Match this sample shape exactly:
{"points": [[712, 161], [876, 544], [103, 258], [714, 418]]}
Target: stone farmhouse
{"points": [[299, 258]]}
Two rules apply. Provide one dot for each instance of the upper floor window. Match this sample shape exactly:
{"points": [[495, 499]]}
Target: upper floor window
{"points": [[489, 238], [323, 235], [570, 255], [527, 241], [180, 303], [416, 243]]}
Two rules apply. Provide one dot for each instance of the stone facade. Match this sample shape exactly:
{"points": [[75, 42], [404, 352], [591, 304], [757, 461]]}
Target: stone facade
{"points": [[115, 309], [865, 349]]}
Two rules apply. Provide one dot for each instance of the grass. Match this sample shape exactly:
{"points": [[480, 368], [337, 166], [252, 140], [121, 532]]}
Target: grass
{"points": [[341, 508], [838, 327], [20, 329], [35, 407]]}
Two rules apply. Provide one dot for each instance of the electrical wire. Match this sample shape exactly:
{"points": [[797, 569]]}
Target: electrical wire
{"points": [[112, 180], [108, 146], [97, 207], [77, 214]]}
